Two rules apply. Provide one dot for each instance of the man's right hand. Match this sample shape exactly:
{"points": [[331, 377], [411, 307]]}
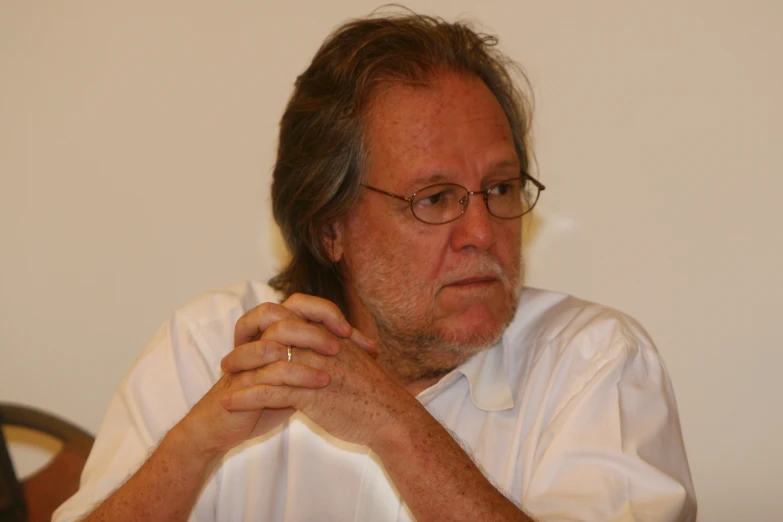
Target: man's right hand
{"points": [[167, 485]]}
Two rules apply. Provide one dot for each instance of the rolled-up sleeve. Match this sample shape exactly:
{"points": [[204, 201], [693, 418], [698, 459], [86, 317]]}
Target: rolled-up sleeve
{"points": [[169, 376]]}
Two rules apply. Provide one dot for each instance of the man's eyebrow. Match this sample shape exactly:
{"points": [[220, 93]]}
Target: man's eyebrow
{"points": [[504, 164], [426, 181], [435, 178]]}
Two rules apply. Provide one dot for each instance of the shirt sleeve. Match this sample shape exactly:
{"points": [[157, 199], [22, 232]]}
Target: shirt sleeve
{"points": [[168, 378], [613, 449]]}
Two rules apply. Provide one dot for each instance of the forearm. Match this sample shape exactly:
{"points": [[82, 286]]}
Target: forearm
{"points": [[166, 486], [436, 478]]}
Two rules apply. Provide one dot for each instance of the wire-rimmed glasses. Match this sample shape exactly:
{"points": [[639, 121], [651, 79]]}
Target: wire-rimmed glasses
{"points": [[445, 202]]}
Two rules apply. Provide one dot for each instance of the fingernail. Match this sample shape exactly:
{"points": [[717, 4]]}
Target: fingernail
{"points": [[369, 341], [335, 345], [346, 327], [323, 379], [366, 343]]}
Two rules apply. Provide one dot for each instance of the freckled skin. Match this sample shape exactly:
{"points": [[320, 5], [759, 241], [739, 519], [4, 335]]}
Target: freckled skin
{"points": [[396, 266]]}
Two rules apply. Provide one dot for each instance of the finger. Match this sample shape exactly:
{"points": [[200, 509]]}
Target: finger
{"points": [[303, 335], [281, 373], [254, 322], [319, 310], [363, 341], [253, 355], [263, 396]]}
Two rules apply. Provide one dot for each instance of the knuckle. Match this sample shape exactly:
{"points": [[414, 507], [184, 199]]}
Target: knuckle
{"points": [[261, 393], [333, 309], [263, 349], [318, 333], [278, 331], [273, 328], [265, 308], [290, 370], [240, 380], [291, 322], [295, 300]]}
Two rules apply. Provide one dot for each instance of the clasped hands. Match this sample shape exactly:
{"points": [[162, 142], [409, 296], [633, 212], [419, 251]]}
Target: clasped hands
{"points": [[332, 378]]}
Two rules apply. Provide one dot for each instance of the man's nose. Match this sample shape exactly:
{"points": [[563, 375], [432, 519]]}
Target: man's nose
{"points": [[475, 228]]}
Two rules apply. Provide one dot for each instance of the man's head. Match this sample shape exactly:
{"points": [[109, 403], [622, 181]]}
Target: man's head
{"points": [[400, 103]]}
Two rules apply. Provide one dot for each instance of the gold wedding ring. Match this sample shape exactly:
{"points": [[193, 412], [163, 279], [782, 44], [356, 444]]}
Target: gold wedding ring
{"points": [[290, 354]]}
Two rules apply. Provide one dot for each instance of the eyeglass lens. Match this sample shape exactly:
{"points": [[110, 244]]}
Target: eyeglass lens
{"points": [[445, 202]]}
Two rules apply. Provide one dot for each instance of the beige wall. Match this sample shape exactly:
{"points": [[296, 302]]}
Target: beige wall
{"points": [[136, 141]]}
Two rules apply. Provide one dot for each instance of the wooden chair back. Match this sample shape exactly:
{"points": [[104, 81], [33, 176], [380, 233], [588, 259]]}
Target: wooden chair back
{"points": [[35, 498]]}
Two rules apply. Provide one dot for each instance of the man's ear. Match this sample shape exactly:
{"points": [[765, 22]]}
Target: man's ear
{"points": [[332, 238]]}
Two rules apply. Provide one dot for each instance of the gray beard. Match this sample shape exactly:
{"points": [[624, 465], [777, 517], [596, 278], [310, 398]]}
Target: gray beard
{"points": [[410, 357], [410, 351]]}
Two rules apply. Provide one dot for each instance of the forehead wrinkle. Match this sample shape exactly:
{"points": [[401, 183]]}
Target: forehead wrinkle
{"points": [[407, 156], [422, 181]]}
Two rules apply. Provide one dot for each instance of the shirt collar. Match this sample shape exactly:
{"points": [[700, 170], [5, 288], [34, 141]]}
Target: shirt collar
{"points": [[487, 378]]}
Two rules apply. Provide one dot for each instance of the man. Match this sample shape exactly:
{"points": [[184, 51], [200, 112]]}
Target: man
{"points": [[400, 371]]}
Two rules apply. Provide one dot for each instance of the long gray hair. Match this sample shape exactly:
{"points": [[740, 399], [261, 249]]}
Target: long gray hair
{"points": [[322, 149]]}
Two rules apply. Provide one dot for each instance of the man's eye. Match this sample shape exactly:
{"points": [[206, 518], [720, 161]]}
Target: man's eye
{"points": [[434, 199], [501, 189]]}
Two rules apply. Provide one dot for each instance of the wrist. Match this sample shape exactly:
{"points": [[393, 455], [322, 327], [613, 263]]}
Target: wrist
{"points": [[400, 433], [184, 449]]}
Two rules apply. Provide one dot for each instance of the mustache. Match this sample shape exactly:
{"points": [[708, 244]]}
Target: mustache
{"points": [[485, 266]]}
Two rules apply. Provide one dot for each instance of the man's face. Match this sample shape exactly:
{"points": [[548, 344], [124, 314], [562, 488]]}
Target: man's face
{"points": [[452, 285]]}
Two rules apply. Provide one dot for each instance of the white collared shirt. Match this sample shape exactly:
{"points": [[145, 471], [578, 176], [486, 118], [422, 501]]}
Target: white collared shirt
{"points": [[571, 415]]}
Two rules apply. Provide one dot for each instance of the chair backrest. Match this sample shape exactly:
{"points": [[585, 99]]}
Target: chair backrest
{"points": [[36, 498], [12, 505]]}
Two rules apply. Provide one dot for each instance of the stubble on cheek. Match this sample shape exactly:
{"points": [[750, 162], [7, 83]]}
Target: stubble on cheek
{"points": [[393, 294], [403, 294]]}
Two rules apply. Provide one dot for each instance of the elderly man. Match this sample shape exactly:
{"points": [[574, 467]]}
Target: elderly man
{"points": [[396, 369]]}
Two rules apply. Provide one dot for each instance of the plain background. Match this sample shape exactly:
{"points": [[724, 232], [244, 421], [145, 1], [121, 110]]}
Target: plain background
{"points": [[137, 140]]}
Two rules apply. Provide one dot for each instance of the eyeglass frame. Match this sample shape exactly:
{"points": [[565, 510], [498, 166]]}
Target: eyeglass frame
{"points": [[523, 175]]}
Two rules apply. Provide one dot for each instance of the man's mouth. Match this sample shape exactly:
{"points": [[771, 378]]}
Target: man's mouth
{"points": [[474, 281]]}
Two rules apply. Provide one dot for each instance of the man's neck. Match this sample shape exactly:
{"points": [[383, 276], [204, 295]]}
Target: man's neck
{"points": [[417, 366], [416, 387], [415, 363]]}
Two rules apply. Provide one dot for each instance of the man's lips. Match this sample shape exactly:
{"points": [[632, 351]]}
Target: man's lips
{"points": [[476, 280]]}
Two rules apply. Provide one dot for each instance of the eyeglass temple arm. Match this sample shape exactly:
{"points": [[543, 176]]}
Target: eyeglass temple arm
{"points": [[534, 180], [403, 198], [387, 193]]}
